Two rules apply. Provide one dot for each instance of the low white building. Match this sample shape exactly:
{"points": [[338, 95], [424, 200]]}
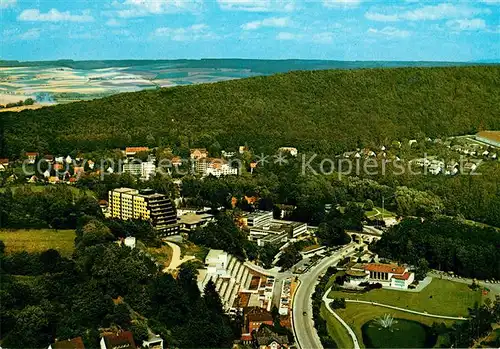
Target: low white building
{"points": [[291, 150], [388, 275]]}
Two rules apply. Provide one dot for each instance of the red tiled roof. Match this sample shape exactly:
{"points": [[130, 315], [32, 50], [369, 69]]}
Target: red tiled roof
{"points": [[31, 154], [385, 268], [4, 161], [405, 276], [75, 343], [123, 340], [135, 149]]}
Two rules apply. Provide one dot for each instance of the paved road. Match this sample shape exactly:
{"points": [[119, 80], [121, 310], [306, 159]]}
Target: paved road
{"points": [[303, 325], [176, 260]]}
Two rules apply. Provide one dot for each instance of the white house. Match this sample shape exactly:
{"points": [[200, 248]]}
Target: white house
{"points": [[68, 159], [292, 151]]}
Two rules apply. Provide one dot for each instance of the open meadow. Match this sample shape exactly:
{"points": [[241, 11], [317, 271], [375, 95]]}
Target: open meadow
{"points": [[38, 240]]}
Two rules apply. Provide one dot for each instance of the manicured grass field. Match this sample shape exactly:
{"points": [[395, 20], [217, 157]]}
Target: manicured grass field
{"points": [[403, 334], [38, 240], [356, 315], [440, 297], [335, 329]]}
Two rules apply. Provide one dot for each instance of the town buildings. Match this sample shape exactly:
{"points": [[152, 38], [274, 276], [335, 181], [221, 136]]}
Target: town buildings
{"points": [[127, 203], [144, 169], [214, 166]]}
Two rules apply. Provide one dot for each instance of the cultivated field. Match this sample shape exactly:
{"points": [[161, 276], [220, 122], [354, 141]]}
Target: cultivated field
{"points": [[38, 240]]}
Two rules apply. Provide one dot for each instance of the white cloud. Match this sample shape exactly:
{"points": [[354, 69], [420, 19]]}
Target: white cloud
{"points": [[141, 8], [380, 17], [7, 3], [112, 22], [430, 12], [466, 24], [30, 34], [341, 3], [390, 32], [288, 36], [274, 22], [257, 5], [34, 15], [323, 38], [192, 33]]}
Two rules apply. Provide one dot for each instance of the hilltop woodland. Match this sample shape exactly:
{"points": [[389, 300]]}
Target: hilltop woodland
{"points": [[325, 112]]}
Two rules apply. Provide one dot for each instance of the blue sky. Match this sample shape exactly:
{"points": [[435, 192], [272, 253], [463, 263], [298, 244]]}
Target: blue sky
{"points": [[268, 29]]}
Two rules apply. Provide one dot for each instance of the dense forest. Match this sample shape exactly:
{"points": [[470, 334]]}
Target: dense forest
{"points": [[104, 285], [323, 111], [447, 244]]}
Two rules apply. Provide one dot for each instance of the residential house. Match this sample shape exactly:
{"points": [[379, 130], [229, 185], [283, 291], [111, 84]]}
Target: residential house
{"points": [[176, 161], [75, 343], [121, 340], [31, 156], [78, 170], [46, 174], [254, 318], [198, 153], [58, 166], [470, 166], [53, 179], [153, 342], [4, 162], [68, 159], [228, 154], [242, 149], [411, 142], [33, 179], [292, 151], [129, 242], [214, 166], [91, 164], [49, 158], [132, 151], [265, 338], [59, 159]]}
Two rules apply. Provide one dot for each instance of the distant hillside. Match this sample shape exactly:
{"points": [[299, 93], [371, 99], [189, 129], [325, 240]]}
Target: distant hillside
{"points": [[326, 111]]}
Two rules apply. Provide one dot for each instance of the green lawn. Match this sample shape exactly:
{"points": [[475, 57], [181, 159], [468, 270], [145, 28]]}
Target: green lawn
{"points": [[38, 240], [374, 213], [356, 315], [335, 329], [440, 297]]}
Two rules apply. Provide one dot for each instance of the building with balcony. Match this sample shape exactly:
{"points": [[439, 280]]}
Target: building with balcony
{"points": [[127, 203]]}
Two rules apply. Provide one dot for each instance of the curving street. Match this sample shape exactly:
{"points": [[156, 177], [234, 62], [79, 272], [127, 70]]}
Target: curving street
{"points": [[303, 325]]}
